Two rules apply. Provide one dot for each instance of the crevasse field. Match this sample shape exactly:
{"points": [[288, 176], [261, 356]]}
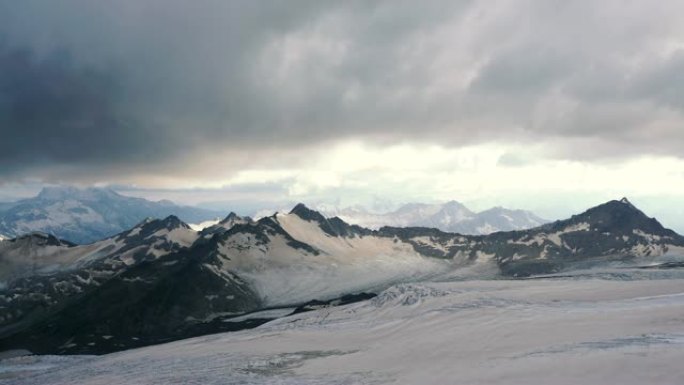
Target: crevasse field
{"points": [[608, 326]]}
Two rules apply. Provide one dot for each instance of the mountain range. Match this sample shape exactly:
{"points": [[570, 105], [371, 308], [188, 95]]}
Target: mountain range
{"points": [[87, 215], [161, 280], [451, 217]]}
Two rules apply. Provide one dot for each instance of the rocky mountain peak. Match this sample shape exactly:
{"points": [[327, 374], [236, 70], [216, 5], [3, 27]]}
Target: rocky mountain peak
{"points": [[306, 213], [173, 222], [229, 218], [626, 201], [150, 225], [41, 239], [332, 226], [621, 216], [455, 205]]}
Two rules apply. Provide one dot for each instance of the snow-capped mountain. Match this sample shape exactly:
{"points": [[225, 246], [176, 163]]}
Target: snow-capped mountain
{"points": [[612, 231], [47, 273], [225, 224], [161, 280], [87, 215], [450, 217]]}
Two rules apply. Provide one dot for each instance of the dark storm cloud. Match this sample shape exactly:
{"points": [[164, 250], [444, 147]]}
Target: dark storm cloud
{"points": [[52, 111], [91, 87], [87, 85]]}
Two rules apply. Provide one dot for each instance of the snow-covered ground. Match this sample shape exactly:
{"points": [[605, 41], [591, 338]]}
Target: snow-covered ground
{"points": [[616, 326], [203, 225]]}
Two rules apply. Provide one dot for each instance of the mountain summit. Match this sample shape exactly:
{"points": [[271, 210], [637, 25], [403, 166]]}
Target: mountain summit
{"points": [[306, 213], [87, 215], [619, 216]]}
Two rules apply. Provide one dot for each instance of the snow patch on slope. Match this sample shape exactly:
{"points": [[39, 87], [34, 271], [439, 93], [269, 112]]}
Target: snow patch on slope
{"points": [[203, 225], [181, 236]]}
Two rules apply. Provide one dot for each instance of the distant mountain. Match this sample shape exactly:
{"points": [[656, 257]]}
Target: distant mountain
{"points": [[161, 280], [225, 224], [86, 215], [450, 217], [613, 231]]}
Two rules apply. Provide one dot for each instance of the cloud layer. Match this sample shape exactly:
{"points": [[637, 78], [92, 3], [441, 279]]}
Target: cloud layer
{"points": [[121, 91]]}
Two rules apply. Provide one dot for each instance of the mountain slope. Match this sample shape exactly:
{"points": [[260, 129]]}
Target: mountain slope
{"points": [[65, 273], [162, 281], [102, 304], [32, 253], [87, 215], [173, 296], [295, 257], [451, 217], [142, 286]]}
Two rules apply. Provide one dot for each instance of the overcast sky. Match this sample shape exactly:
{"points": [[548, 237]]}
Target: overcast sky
{"points": [[545, 105]]}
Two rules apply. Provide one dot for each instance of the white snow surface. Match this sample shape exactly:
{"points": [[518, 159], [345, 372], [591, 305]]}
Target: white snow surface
{"points": [[203, 225], [180, 236], [544, 331], [284, 275]]}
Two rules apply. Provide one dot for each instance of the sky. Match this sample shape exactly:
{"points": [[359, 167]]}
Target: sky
{"points": [[551, 106]]}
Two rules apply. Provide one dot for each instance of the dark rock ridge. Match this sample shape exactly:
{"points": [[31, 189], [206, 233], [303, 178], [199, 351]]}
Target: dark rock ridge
{"points": [[344, 300], [334, 226], [161, 281], [38, 239]]}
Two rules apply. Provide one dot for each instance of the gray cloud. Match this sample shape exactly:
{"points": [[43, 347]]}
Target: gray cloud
{"points": [[92, 89]]}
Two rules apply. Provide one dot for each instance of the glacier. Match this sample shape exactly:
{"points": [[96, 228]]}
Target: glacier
{"points": [[609, 325]]}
